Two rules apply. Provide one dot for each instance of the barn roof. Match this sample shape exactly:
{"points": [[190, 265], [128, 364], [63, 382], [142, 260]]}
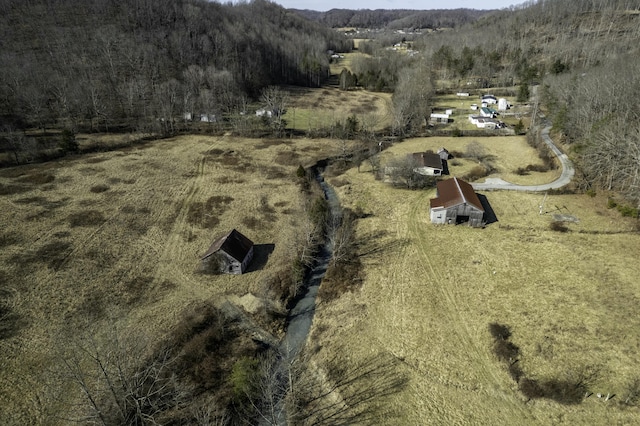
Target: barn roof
{"points": [[234, 244], [427, 159], [452, 192]]}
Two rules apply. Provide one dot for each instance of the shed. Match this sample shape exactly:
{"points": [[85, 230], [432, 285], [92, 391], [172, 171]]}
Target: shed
{"points": [[456, 202], [503, 104], [444, 154], [426, 163], [439, 117], [230, 254]]}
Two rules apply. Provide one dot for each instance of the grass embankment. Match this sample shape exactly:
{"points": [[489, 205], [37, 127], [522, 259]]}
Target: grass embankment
{"points": [[113, 240], [430, 292]]}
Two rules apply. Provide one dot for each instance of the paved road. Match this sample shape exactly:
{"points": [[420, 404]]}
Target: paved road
{"points": [[567, 173]]}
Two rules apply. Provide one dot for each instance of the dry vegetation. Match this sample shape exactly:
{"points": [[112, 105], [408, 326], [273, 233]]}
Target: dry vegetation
{"points": [[321, 109], [113, 240], [430, 293], [506, 153]]}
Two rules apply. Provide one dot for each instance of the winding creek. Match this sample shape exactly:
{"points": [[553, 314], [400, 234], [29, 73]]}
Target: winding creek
{"points": [[300, 317]]}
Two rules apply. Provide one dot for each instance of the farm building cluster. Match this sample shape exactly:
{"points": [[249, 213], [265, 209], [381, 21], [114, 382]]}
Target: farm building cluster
{"points": [[486, 117]]}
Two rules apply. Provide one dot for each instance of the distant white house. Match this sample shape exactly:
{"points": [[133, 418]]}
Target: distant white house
{"points": [[485, 122], [439, 117], [503, 105], [208, 118], [489, 99], [263, 112], [488, 112]]}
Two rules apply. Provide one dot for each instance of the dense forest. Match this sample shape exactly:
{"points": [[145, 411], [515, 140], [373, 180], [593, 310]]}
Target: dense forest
{"points": [[136, 65]]}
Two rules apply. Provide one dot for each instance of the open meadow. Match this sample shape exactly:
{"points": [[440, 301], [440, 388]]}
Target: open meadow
{"points": [[314, 109], [429, 294], [506, 153], [112, 241]]}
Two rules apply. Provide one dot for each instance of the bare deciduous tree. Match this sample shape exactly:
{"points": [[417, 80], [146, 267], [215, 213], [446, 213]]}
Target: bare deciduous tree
{"points": [[121, 382]]}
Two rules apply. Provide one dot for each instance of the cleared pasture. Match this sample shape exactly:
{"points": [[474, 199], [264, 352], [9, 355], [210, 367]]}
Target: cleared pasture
{"points": [[506, 153], [314, 109], [112, 240], [430, 292]]}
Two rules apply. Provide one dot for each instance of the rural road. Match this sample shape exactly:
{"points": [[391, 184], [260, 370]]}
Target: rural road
{"points": [[565, 177]]}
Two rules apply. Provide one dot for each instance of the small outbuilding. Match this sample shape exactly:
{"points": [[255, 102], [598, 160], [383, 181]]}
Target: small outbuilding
{"points": [[456, 202], [229, 254], [444, 154], [426, 163]]}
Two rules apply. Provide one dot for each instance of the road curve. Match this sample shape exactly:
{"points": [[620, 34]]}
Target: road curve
{"points": [[565, 177]]}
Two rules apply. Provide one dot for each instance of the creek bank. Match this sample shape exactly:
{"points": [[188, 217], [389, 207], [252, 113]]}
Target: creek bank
{"points": [[300, 316]]}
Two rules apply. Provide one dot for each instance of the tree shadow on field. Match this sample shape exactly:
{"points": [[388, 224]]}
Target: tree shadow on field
{"points": [[10, 322], [489, 215], [375, 245], [355, 392], [261, 253]]}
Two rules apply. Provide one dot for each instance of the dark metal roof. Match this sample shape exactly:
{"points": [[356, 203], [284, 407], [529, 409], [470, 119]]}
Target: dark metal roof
{"points": [[234, 244], [453, 192], [427, 159]]}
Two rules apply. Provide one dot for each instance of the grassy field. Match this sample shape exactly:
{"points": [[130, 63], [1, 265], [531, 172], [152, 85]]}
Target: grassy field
{"points": [[507, 153], [430, 292], [112, 240], [320, 109]]}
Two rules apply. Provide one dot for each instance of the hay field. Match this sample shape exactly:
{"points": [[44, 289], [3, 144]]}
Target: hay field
{"points": [[312, 109], [430, 293], [509, 153], [113, 240]]}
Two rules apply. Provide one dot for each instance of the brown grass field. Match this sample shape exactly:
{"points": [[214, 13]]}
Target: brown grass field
{"points": [[508, 153], [322, 108], [430, 292], [112, 240]]}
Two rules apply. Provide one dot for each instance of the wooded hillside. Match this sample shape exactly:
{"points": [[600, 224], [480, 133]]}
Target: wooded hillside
{"points": [[104, 64], [394, 19], [584, 57]]}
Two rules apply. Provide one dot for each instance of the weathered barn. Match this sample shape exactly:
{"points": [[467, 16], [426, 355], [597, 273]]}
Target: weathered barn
{"points": [[229, 254], [426, 163], [456, 202]]}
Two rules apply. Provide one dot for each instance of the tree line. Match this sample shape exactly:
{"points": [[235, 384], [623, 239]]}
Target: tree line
{"points": [[107, 65], [394, 19]]}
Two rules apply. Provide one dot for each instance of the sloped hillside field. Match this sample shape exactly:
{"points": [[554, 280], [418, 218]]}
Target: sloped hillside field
{"points": [[523, 322], [112, 241]]}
